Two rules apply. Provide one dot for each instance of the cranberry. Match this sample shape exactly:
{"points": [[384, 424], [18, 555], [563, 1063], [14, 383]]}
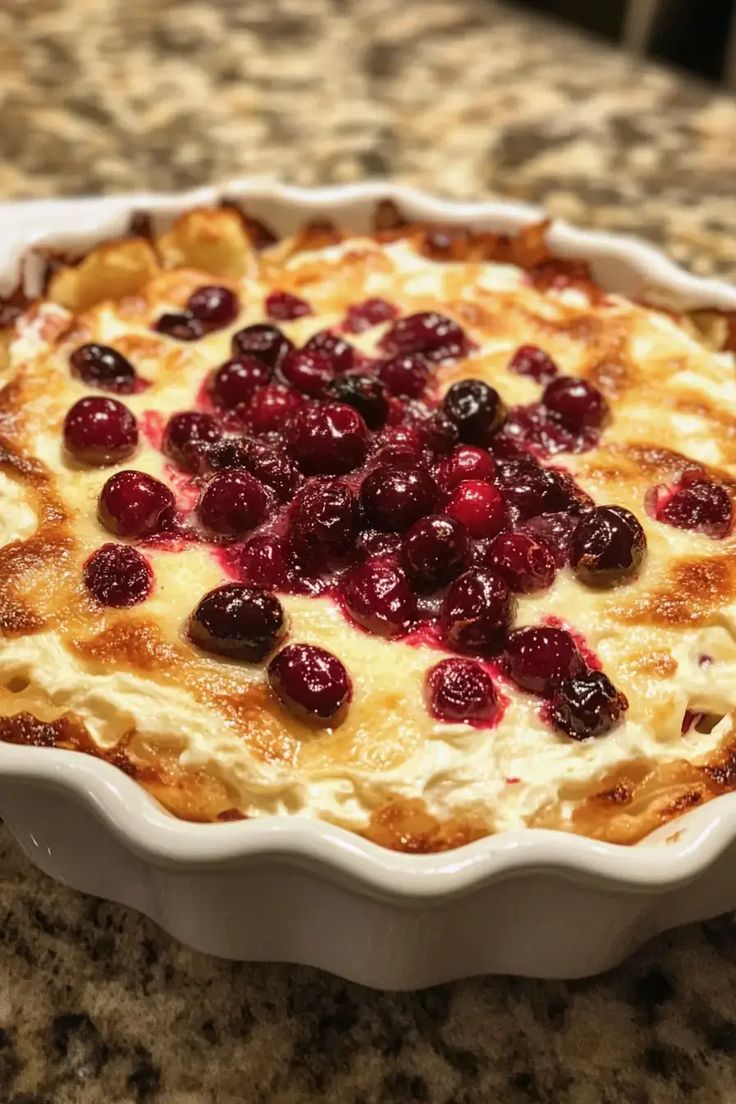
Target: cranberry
{"points": [[262, 341], [100, 431], [394, 498], [231, 452], [399, 447], [268, 464], [526, 564], [135, 504], [232, 503], [282, 306], [587, 705], [328, 440], [477, 612], [434, 551], [479, 506], [372, 543], [311, 683], [244, 622], [439, 433], [555, 531], [237, 380], [264, 561], [461, 690], [339, 353], [104, 367], [434, 335], [271, 408], [214, 306], [371, 312], [476, 409], [576, 403], [529, 360], [309, 372], [608, 546], [118, 575], [323, 519], [465, 462], [404, 375], [180, 325], [541, 657], [184, 435], [364, 393], [378, 596], [531, 489], [701, 506]]}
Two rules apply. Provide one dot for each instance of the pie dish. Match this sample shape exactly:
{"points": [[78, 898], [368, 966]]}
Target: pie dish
{"points": [[350, 518]]}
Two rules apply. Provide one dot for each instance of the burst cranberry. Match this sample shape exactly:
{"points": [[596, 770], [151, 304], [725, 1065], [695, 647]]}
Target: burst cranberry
{"points": [[103, 367], [184, 436], [461, 690], [531, 489], [282, 306], [555, 531], [477, 612], [262, 341], [371, 543], [215, 306], [323, 520], [244, 622], [371, 312], [399, 447], [339, 353], [364, 393], [237, 380], [465, 462], [476, 409], [434, 551], [232, 503], [309, 372], [271, 408], [701, 506], [576, 403], [479, 507], [328, 440], [394, 498], [541, 657], [526, 564], [608, 546], [433, 335], [269, 464], [180, 325], [439, 433], [406, 376], [118, 575], [378, 596], [100, 431], [264, 561], [587, 705], [529, 360], [135, 504], [311, 683]]}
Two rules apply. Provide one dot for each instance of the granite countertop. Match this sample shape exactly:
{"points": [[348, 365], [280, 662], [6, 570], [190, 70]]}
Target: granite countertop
{"points": [[471, 100]]}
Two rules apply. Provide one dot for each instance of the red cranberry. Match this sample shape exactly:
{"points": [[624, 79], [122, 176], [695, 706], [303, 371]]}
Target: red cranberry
{"points": [[237, 380], [399, 447], [215, 306], [479, 506], [103, 367], [244, 622], [531, 489], [608, 546], [323, 520], [182, 326], [434, 551], [371, 543], [394, 498], [328, 440], [135, 504], [262, 341], [378, 596], [404, 375], [118, 575], [270, 465], [339, 353], [309, 372], [364, 393], [555, 532], [439, 433], [477, 612], [271, 408], [264, 561], [476, 409], [184, 435], [526, 564], [100, 431], [282, 306], [433, 335], [461, 690], [587, 705], [701, 506], [541, 657], [371, 312], [311, 683], [529, 360], [465, 462], [232, 503], [576, 403]]}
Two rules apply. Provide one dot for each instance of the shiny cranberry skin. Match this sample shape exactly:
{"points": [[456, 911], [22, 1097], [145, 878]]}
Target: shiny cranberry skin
{"points": [[394, 498], [434, 335], [555, 531], [240, 621], [529, 360], [282, 306], [701, 506], [312, 684], [184, 435], [271, 408], [531, 489], [118, 575], [377, 595], [586, 706], [371, 544], [264, 561], [476, 409], [461, 690], [541, 657], [103, 367], [465, 462], [262, 341], [576, 403], [399, 447], [526, 564], [364, 393], [477, 612], [371, 312], [237, 380], [213, 305], [323, 520], [339, 352], [309, 372], [439, 433], [100, 431], [479, 507], [181, 325], [608, 546], [328, 440], [406, 376], [269, 464], [434, 551], [232, 503], [135, 504]]}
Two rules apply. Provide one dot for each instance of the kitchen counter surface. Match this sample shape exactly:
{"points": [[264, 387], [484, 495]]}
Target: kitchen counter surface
{"points": [[470, 100]]}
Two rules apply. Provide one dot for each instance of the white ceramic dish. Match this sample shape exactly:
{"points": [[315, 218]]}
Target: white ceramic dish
{"points": [[529, 902]]}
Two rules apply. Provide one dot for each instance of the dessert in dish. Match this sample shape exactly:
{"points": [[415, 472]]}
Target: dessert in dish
{"points": [[416, 531]]}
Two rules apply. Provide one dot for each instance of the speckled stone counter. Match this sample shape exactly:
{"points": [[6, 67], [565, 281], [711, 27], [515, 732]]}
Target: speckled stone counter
{"points": [[469, 100]]}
